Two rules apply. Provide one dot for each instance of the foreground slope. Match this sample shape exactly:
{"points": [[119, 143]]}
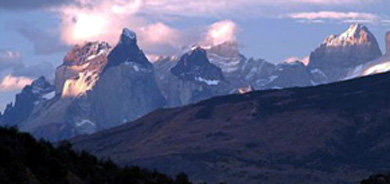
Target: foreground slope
{"points": [[331, 133]]}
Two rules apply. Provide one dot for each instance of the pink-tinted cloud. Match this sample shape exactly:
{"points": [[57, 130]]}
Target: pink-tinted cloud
{"points": [[159, 33], [11, 83]]}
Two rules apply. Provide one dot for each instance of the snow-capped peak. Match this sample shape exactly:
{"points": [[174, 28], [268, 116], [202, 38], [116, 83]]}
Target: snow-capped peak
{"points": [[356, 34], [353, 31]]}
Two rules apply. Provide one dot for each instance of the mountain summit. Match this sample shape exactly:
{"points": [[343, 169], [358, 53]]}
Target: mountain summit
{"points": [[357, 34], [196, 66], [339, 53], [127, 51]]}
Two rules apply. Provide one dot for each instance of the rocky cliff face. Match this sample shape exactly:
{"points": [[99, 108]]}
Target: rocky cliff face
{"points": [[126, 90], [81, 69], [339, 53], [95, 88]]}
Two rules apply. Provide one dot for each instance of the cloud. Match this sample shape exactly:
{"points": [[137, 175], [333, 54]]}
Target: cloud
{"points": [[12, 83], [98, 20], [104, 20], [333, 15], [220, 32], [31, 4], [44, 41], [36, 70], [305, 60], [226, 7], [174, 6], [9, 60], [159, 33], [11, 63]]}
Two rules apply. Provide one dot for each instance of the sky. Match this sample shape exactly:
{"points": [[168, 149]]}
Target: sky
{"points": [[35, 35]]}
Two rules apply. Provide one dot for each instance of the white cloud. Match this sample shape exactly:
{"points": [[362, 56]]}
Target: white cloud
{"points": [[220, 32], [98, 20], [12, 83], [333, 15]]}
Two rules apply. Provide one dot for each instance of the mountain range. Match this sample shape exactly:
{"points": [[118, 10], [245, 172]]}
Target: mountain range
{"points": [[99, 86]]}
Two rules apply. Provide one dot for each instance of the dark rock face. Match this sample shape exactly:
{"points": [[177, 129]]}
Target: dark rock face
{"points": [[195, 66], [340, 53], [336, 133], [127, 50], [30, 96], [194, 78]]}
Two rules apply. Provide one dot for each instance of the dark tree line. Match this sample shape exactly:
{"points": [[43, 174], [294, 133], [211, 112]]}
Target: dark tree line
{"points": [[24, 160]]}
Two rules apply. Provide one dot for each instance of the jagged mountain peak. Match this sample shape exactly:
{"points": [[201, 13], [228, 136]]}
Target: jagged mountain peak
{"points": [[81, 54], [81, 68], [356, 34], [339, 53], [196, 56], [127, 51], [195, 66]]}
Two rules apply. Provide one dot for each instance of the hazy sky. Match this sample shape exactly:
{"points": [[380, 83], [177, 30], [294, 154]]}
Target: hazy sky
{"points": [[35, 35]]}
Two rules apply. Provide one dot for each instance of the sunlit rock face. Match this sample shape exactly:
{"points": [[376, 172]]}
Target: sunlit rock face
{"points": [[81, 68], [340, 53], [379, 65]]}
